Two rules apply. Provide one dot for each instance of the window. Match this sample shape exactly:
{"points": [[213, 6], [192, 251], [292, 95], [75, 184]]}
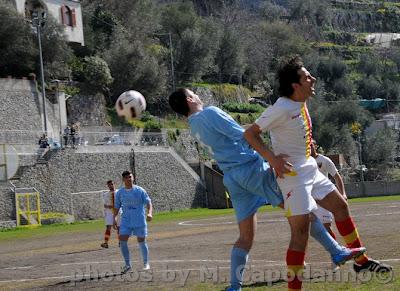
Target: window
{"points": [[68, 16]]}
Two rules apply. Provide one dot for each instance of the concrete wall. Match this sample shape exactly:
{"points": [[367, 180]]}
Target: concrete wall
{"points": [[19, 105], [21, 118], [7, 204], [87, 110], [170, 182], [373, 188]]}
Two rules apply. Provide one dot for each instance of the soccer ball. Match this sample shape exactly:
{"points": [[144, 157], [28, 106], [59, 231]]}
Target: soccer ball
{"points": [[130, 104]]}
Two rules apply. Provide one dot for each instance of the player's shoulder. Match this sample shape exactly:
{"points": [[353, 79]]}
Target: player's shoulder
{"points": [[138, 188], [212, 110], [324, 159], [120, 190], [284, 103]]}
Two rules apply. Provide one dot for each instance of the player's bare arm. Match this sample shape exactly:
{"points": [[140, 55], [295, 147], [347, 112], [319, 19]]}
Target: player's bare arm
{"points": [[149, 211], [115, 213], [278, 162]]}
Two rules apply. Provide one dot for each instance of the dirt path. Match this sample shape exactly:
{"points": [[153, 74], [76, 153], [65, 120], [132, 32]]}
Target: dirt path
{"points": [[181, 254]]}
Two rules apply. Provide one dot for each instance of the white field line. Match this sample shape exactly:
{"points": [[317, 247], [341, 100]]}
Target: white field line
{"points": [[276, 263], [193, 222]]}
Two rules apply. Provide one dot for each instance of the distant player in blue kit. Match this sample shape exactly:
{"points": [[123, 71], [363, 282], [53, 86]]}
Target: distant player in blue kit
{"points": [[133, 199], [249, 179]]}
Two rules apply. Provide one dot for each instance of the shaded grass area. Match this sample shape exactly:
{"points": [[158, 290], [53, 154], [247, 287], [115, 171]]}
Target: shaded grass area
{"points": [[162, 217]]}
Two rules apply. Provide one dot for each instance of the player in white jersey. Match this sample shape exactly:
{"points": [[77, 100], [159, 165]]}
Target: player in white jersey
{"points": [[108, 203], [247, 176], [327, 167], [301, 183]]}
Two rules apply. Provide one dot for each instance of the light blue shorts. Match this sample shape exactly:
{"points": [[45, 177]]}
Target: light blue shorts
{"points": [[140, 231], [251, 186]]}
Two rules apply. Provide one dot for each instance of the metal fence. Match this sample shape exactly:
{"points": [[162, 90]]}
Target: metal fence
{"points": [[85, 138]]}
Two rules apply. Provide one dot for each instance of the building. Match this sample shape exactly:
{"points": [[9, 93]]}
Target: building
{"points": [[66, 12]]}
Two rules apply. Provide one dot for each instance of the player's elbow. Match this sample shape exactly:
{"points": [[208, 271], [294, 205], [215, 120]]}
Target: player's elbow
{"points": [[251, 133]]}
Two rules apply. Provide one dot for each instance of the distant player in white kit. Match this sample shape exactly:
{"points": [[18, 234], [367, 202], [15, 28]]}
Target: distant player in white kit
{"points": [[108, 202], [327, 167]]}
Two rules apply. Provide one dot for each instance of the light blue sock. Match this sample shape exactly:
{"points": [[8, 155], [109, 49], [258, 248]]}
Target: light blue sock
{"points": [[144, 249], [238, 262], [320, 233], [125, 251]]}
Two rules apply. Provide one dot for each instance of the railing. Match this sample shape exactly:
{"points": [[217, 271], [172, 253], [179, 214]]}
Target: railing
{"points": [[84, 138]]}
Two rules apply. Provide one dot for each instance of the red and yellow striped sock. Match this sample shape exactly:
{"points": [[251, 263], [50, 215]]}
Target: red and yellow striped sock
{"points": [[348, 230], [107, 235], [295, 265]]}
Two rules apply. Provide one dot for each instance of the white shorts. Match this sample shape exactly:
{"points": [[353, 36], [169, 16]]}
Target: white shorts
{"points": [[302, 189], [324, 215], [109, 217]]}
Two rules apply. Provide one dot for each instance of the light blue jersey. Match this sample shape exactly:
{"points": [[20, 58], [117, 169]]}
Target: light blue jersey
{"points": [[249, 179], [222, 136], [132, 201]]}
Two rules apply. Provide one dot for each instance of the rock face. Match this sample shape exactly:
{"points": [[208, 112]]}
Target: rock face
{"points": [[87, 110], [72, 181]]}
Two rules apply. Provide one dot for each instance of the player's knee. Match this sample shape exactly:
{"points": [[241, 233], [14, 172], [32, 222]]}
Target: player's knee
{"points": [[341, 208], [301, 232], [246, 241]]}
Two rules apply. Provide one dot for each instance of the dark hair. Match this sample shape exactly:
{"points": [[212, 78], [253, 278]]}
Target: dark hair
{"points": [[110, 181], [178, 102], [288, 74], [126, 173]]}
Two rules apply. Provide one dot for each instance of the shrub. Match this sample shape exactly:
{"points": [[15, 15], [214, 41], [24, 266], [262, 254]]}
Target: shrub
{"points": [[171, 136], [146, 116], [243, 107], [152, 125]]}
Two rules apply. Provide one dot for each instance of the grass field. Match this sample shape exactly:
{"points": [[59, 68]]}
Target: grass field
{"points": [[185, 242], [162, 217]]}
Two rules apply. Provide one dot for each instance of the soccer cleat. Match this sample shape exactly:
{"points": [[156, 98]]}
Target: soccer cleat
{"points": [[347, 254], [125, 269], [372, 266], [335, 267], [146, 267], [233, 289], [104, 245]]}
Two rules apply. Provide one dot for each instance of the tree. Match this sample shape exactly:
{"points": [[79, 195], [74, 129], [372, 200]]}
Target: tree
{"points": [[18, 52], [282, 41], [56, 52], [368, 88], [134, 66], [96, 73], [332, 124], [310, 15], [331, 69], [195, 40], [229, 59], [369, 64], [18, 46], [380, 148]]}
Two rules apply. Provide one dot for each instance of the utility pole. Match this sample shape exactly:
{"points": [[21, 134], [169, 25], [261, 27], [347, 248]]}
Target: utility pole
{"points": [[38, 20], [172, 61]]}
